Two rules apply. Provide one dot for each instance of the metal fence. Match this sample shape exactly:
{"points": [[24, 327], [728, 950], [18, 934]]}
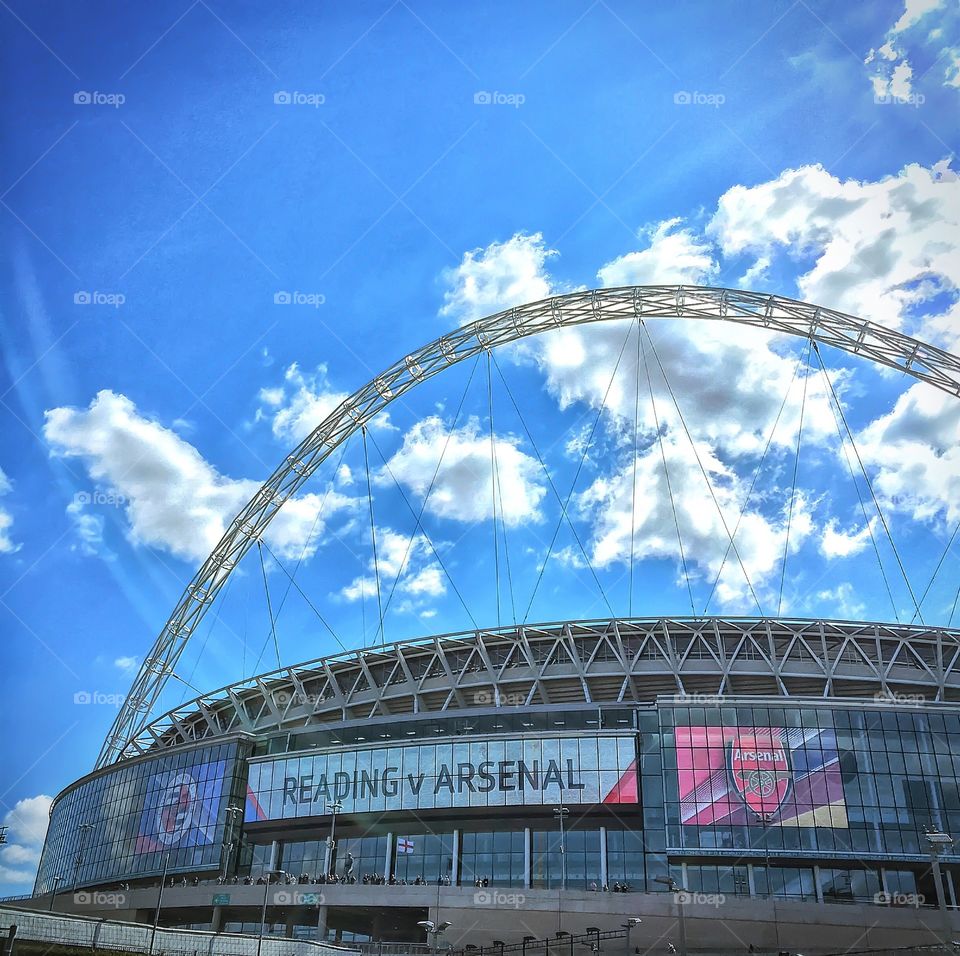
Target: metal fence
{"points": [[121, 937]]}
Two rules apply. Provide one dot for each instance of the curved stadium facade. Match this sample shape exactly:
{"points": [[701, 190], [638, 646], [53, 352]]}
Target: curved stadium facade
{"points": [[768, 767]]}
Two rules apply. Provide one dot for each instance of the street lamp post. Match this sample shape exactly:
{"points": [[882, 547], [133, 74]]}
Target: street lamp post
{"points": [[938, 843], [53, 895], [84, 829], [674, 887], [263, 913], [631, 922], [228, 839], [560, 813], [433, 930], [156, 913], [333, 809]]}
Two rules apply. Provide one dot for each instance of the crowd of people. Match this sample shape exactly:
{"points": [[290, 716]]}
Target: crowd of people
{"points": [[347, 877]]}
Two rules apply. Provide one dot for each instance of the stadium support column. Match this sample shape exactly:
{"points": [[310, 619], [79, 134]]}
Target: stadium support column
{"points": [[455, 861], [603, 859], [387, 860], [527, 861], [322, 921]]}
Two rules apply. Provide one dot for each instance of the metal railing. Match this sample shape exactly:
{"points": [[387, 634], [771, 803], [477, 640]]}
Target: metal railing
{"points": [[122, 937], [555, 943]]}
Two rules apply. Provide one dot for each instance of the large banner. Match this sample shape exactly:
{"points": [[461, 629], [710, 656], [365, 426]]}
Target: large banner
{"points": [[180, 807], [496, 772], [759, 775]]}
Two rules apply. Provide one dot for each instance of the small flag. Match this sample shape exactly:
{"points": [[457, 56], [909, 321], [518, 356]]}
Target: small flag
{"points": [[404, 845]]}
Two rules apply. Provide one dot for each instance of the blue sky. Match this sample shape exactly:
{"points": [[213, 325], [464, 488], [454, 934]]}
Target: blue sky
{"points": [[172, 171]]}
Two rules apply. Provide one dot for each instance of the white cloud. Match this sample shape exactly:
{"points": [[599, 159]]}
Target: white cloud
{"points": [[843, 602], [295, 408], [891, 73], [914, 451], [502, 275], [27, 822], [7, 544], [127, 665], [87, 526], [420, 575], [462, 490], [730, 382], [951, 75], [887, 250], [673, 255], [173, 499], [609, 504], [881, 250], [836, 543]]}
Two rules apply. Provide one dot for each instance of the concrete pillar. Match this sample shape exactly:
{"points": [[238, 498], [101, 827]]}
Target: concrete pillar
{"points": [[275, 855], [751, 885], [216, 920], [527, 858], [817, 884], [322, 922], [603, 859], [288, 925], [388, 859], [455, 871]]}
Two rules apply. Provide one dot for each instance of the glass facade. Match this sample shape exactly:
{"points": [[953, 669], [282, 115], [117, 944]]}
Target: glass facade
{"points": [[132, 820], [427, 855], [852, 782], [497, 856], [309, 857], [796, 801], [582, 853]]}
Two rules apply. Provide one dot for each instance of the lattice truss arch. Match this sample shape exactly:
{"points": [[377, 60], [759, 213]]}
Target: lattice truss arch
{"points": [[631, 661], [773, 313]]}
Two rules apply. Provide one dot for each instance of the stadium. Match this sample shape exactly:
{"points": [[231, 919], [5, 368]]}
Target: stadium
{"points": [[699, 784]]}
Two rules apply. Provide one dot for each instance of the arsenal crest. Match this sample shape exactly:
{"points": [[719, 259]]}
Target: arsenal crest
{"points": [[760, 770]]}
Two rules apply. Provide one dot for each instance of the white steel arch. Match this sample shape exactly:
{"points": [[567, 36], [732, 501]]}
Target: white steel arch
{"points": [[773, 313]]}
